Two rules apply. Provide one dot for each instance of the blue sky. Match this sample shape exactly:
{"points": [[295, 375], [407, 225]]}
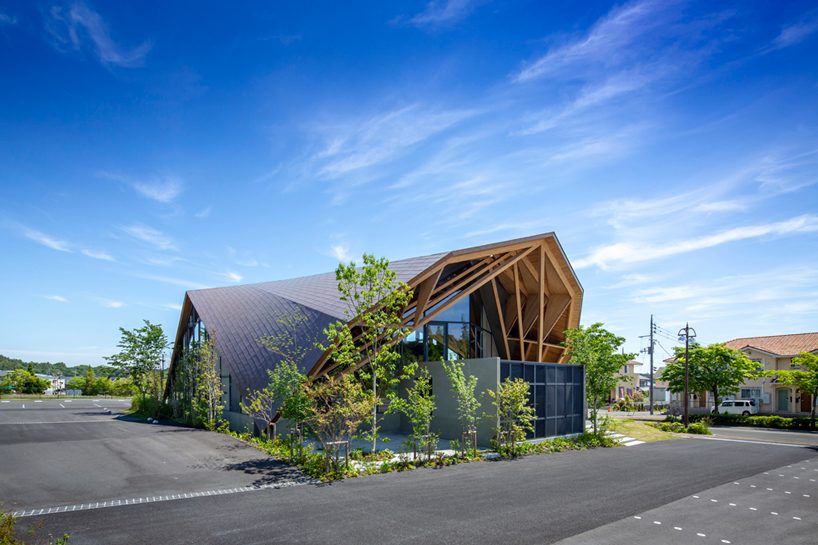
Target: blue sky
{"points": [[154, 147]]}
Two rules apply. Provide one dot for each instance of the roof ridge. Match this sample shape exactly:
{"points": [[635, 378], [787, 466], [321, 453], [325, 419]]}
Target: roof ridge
{"points": [[770, 336]]}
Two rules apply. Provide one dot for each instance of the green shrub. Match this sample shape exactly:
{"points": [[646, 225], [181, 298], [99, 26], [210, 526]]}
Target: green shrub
{"points": [[151, 406], [699, 428], [9, 537], [759, 421]]}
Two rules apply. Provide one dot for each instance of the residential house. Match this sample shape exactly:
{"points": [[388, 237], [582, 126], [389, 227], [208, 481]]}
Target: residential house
{"points": [[776, 352], [628, 382]]}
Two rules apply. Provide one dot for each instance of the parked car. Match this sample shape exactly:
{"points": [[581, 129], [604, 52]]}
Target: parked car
{"points": [[744, 407]]}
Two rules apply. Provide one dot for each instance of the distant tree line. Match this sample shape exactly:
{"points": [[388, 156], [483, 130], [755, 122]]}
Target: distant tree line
{"points": [[59, 369]]}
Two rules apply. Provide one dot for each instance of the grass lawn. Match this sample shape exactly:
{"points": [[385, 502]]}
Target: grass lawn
{"points": [[640, 430]]}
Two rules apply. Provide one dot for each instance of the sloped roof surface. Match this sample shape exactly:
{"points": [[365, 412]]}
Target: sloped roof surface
{"points": [[782, 345], [320, 291], [238, 316]]}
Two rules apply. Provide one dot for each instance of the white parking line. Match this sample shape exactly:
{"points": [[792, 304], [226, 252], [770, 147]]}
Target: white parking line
{"points": [[151, 499]]}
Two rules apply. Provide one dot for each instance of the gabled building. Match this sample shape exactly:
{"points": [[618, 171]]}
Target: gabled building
{"points": [[503, 308], [776, 352]]}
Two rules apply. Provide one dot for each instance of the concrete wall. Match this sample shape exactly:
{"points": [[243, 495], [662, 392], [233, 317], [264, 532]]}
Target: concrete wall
{"points": [[239, 422], [445, 423]]}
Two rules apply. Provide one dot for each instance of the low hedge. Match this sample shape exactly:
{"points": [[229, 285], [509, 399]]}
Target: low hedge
{"points": [[772, 421]]}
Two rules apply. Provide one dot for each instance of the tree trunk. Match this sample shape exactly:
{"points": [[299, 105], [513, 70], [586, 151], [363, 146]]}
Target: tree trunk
{"points": [[594, 413], [716, 400], [374, 410], [814, 401]]}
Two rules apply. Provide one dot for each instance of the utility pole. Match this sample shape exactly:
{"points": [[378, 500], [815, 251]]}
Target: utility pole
{"points": [[687, 336], [650, 348], [650, 351]]}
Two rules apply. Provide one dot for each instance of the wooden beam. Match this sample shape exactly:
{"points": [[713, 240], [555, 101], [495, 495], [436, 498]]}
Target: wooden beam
{"points": [[530, 313], [424, 293], [541, 318], [556, 307], [462, 279], [503, 330], [519, 311], [477, 283]]}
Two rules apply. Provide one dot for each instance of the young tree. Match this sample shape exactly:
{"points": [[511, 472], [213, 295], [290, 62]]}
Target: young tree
{"points": [[375, 301], [464, 389], [714, 368], [515, 415], [261, 405], [419, 407], [198, 384], [140, 354], [339, 405], [283, 394], [598, 350], [805, 378]]}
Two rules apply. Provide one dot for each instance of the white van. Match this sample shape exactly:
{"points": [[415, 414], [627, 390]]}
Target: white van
{"points": [[744, 407]]}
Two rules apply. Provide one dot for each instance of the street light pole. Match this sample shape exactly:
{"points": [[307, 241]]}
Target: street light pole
{"points": [[687, 336]]}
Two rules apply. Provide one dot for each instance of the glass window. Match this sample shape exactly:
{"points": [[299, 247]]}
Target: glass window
{"points": [[458, 312], [458, 341]]}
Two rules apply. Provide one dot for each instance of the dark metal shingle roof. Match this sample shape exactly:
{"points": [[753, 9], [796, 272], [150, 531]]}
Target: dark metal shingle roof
{"points": [[238, 316]]}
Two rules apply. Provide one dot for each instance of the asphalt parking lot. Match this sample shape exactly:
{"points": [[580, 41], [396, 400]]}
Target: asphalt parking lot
{"points": [[580, 497], [60, 453]]}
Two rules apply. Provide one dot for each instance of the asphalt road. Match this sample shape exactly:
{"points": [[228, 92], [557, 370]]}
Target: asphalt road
{"points": [[64, 453], [765, 434], [538, 499]]}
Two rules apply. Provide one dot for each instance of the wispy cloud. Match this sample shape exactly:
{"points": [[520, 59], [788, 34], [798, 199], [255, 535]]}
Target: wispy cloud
{"points": [[797, 32], [173, 306], [57, 298], [441, 13], [363, 143], [614, 39], [624, 253], [204, 212], [7, 20], [340, 252], [232, 276], [162, 189], [172, 281], [150, 236], [778, 287], [110, 303], [96, 254], [80, 28], [46, 240]]}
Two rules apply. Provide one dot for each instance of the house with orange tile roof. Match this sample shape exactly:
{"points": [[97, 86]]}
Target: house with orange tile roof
{"points": [[775, 352]]}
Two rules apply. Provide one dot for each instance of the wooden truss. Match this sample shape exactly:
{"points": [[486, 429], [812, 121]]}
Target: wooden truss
{"points": [[526, 287]]}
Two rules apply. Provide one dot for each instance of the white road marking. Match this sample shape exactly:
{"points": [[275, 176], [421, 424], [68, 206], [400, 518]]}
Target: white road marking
{"points": [[796, 518], [752, 486], [38, 401], [696, 497], [773, 513], [657, 522], [806, 495], [69, 400], [724, 541], [4, 401], [714, 501], [787, 492], [753, 509], [769, 490], [732, 505], [701, 534], [677, 528], [61, 405]]}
